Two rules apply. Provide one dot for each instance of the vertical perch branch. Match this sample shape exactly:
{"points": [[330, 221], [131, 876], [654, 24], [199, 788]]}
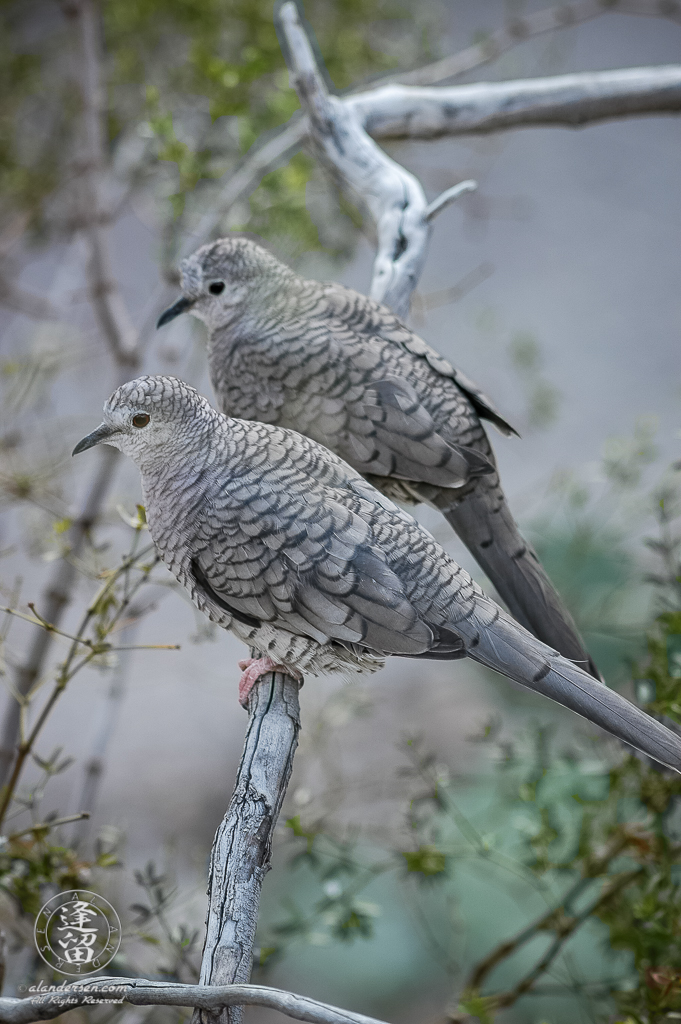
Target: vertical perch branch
{"points": [[393, 196], [240, 858]]}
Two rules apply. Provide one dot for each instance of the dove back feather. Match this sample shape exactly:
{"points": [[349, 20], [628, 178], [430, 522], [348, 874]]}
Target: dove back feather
{"points": [[344, 370]]}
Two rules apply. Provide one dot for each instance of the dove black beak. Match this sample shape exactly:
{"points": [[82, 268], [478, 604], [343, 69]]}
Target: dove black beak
{"points": [[102, 433], [181, 306]]}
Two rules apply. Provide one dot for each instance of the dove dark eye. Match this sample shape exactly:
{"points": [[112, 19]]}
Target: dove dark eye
{"points": [[140, 419], [216, 288]]}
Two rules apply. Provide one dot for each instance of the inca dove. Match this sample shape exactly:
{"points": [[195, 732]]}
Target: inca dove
{"points": [[279, 540], [345, 371]]}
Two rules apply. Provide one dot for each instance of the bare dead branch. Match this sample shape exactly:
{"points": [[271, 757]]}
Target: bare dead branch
{"points": [[111, 311], [140, 992], [240, 858], [338, 131], [393, 196], [398, 111], [279, 148], [55, 600], [448, 197]]}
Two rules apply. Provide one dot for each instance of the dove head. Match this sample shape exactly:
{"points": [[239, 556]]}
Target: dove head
{"points": [[224, 277], [152, 418]]}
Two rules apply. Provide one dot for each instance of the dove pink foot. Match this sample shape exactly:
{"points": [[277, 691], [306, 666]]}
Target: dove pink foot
{"points": [[253, 668]]}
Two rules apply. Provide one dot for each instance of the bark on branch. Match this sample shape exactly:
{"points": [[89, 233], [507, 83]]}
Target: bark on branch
{"points": [[140, 992], [239, 862], [393, 196], [401, 111], [408, 112], [112, 314], [341, 133], [240, 858]]}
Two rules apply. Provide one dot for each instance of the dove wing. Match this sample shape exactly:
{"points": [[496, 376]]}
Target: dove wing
{"points": [[368, 318], [390, 433], [313, 569]]}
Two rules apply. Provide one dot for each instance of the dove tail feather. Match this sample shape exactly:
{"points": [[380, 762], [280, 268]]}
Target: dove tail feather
{"points": [[484, 522], [508, 648]]}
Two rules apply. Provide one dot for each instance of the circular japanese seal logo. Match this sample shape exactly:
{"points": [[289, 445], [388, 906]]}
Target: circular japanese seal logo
{"points": [[77, 932]]}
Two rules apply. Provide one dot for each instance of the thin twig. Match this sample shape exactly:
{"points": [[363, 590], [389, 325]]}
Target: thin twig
{"points": [[520, 28], [70, 667], [45, 826], [55, 600], [564, 929], [243, 181], [569, 928], [593, 868]]}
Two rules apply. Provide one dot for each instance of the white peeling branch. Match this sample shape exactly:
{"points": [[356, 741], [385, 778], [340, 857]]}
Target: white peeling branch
{"points": [[448, 197], [240, 857], [400, 111], [239, 863], [411, 112], [393, 196], [140, 992]]}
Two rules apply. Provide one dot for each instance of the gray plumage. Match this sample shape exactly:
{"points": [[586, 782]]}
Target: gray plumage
{"points": [[279, 540], [345, 371]]}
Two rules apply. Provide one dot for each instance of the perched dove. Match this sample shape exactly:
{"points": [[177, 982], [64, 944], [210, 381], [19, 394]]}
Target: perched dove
{"points": [[345, 371], [279, 540]]}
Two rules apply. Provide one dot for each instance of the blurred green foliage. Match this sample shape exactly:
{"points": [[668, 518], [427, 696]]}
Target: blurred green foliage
{"points": [[189, 88]]}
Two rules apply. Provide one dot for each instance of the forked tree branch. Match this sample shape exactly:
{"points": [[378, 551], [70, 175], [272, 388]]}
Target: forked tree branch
{"points": [[341, 133], [264, 158], [393, 196]]}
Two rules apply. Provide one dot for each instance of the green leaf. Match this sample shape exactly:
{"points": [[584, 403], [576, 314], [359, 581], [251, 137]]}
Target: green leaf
{"points": [[427, 861]]}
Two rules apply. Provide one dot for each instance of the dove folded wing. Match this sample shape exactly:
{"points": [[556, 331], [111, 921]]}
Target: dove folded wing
{"points": [[389, 433], [320, 576], [368, 318]]}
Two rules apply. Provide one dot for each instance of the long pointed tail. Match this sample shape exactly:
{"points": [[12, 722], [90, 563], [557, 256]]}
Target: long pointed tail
{"points": [[495, 640], [484, 522]]}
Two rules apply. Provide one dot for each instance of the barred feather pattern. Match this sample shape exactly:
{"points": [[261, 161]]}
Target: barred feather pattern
{"points": [[280, 541], [344, 370]]}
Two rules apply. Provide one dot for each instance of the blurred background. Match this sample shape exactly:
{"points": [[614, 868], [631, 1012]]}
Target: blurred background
{"points": [[431, 814]]}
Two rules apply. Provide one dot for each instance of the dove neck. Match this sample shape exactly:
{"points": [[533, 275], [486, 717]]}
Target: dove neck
{"points": [[257, 319], [185, 455]]}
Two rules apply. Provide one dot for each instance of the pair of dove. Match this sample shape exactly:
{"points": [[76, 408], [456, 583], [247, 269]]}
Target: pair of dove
{"points": [[280, 540]]}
